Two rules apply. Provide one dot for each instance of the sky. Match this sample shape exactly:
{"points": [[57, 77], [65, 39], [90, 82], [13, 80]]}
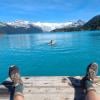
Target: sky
{"points": [[48, 10]]}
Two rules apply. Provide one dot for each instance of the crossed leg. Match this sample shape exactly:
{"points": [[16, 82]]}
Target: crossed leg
{"points": [[88, 81]]}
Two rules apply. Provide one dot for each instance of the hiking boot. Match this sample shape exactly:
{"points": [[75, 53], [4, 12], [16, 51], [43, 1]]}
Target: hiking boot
{"points": [[88, 80], [16, 79]]}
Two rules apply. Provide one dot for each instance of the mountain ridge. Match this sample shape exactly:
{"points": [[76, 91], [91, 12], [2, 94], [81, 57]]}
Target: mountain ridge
{"points": [[92, 24], [20, 26], [11, 29]]}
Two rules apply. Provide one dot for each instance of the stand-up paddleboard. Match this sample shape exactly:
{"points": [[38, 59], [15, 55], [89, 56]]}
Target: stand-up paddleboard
{"points": [[52, 42]]}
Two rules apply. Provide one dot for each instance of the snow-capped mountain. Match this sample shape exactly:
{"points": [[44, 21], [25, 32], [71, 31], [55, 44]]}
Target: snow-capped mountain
{"points": [[19, 27], [45, 26], [2, 24], [19, 23], [79, 23]]}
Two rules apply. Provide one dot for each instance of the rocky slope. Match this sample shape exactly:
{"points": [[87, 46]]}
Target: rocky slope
{"points": [[93, 24]]}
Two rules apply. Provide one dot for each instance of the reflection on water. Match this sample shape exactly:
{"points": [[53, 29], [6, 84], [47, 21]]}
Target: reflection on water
{"points": [[16, 42], [19, 42], [31, 52], [28, 41]]}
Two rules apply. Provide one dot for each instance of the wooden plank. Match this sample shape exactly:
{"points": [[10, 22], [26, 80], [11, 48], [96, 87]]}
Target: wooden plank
{"points": [[52, 88]]}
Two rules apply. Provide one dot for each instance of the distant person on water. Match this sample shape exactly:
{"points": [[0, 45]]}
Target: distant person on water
{"points": [[52, 42], [87, 82]]}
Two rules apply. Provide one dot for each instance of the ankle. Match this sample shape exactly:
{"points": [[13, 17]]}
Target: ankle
{"points": [[89, 85], [19, 89]]}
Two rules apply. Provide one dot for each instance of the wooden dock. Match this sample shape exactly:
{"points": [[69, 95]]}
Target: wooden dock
{"points": [[51, 88]]}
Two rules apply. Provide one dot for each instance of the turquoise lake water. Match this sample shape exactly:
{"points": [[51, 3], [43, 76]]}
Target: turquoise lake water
{"points": [[70, 55]]}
